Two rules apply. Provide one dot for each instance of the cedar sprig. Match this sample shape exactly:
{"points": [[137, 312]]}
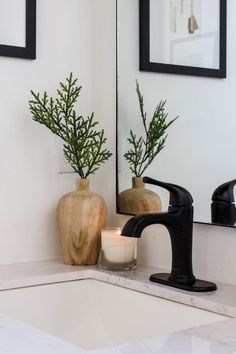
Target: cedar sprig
{"points": [[83, 145], [145, 148]]}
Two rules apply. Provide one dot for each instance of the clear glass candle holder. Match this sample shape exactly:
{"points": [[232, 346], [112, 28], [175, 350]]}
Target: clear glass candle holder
{"points": [[118, 252]]}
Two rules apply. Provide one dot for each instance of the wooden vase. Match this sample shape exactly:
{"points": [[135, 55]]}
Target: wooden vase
{"points": [[138, 199], [80, 216]]}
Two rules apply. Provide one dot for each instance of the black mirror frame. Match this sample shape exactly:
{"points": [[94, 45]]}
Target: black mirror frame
{"points": [[147, 65], [29, 51]]}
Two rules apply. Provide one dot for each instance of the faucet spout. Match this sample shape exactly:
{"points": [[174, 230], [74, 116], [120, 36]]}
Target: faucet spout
{"points": [[135, 226], [179, 222]]}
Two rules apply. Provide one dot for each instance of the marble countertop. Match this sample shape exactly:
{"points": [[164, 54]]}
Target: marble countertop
{"points": [[216, 338]]}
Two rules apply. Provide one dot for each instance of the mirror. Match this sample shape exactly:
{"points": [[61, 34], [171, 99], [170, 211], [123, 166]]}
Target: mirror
{"points": [[183, 37], [18, 28], [199, 151]]}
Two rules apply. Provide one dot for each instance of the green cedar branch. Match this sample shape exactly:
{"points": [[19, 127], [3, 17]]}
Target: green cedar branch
{"points": [[83, 144], [143, 150]]}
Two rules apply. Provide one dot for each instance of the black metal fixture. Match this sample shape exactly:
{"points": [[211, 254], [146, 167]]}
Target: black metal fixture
{"points": [[223, 209], [179, 222]]}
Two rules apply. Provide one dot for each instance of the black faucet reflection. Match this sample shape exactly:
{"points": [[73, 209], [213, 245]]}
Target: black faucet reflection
{"points": [[223, 209], [179, 222]]}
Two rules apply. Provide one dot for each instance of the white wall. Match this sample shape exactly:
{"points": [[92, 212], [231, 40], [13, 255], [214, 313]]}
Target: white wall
{"points": [[30, 185]]}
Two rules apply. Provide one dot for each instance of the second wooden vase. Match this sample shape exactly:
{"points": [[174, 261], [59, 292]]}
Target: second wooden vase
{"points": [[80, 216], [138, 199]]}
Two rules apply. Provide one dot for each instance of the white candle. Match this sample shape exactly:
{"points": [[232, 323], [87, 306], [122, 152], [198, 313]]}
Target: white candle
{"points": [[116, 248]]}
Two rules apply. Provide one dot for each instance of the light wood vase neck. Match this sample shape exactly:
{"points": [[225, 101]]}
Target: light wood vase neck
{"points": [[137, 182], [82, 184]]}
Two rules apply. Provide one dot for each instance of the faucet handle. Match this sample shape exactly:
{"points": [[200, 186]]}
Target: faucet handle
{"points": [[179, 196], [224, 192]]}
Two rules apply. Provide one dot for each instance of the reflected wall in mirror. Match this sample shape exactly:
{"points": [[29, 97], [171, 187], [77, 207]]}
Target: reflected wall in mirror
{"points": [[199, 153], [183, 37]]}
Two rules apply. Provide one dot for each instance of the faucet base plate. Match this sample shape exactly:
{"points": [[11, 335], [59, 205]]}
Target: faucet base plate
{"points": [[197, 286]]}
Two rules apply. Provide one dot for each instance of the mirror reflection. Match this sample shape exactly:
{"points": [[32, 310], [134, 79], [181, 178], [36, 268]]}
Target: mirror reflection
{"points": [[199, 149], [223, 209], [185, 32], [183, 37], [142, 150]]}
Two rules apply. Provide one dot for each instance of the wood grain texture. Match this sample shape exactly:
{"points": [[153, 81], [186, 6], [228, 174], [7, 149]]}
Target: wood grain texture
{"points": [[138, 199], [80, 216]]}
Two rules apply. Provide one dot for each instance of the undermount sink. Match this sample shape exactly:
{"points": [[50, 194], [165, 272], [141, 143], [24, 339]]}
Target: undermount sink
{"points": [[93, 314]]}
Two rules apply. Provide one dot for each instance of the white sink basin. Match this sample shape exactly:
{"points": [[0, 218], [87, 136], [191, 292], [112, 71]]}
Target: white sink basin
{"points": [[93, 314]]}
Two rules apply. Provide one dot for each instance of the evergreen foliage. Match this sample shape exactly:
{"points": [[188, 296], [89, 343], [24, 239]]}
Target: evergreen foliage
{"points": [[143, 150], [83, 145]]}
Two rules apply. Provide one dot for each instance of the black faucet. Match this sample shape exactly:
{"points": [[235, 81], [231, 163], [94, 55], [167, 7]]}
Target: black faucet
{"points": [[179, 222], [223, 209]]}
